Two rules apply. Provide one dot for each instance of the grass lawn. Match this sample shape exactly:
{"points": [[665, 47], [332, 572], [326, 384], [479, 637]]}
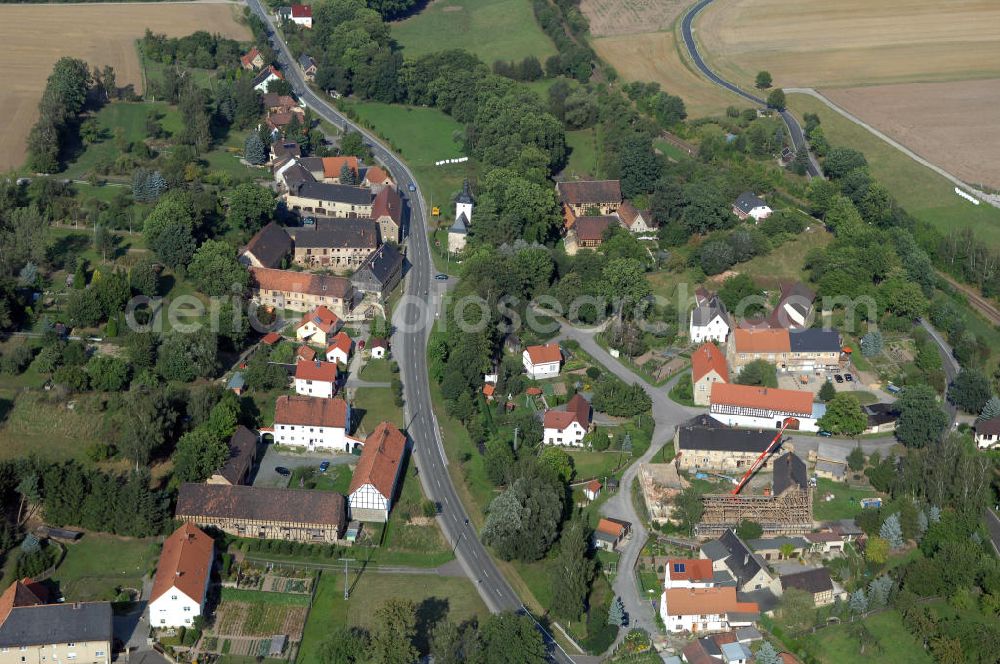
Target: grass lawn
{"points": [[258, 597], [864, 397], [491, 29], [97, 564], [376, 371], [131, 119], [336, 478], [845, 504], [377, 404], [922, 192], [590, 464], [838, 646], [786, 262], [436, 597], [35, 426], [582, 144], [670, 150]]}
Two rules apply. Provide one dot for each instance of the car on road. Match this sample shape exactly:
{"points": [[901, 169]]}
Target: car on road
{"points": [[411, 187], [825, 434], [838, 378], [441, 277], [849, 378], [281, 470], [324, 466]]}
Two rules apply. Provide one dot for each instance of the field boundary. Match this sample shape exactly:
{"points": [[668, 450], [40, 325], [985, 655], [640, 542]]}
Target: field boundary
{"points": [[991, 199]]}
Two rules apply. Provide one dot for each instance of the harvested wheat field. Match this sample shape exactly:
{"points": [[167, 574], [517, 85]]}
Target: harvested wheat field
{"points": [[954, 124], [654, 56], [35, 36], [628, 17], [817, 43]]}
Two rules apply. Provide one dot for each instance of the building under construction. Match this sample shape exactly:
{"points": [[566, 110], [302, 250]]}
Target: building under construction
{"points": [[785, 509]]}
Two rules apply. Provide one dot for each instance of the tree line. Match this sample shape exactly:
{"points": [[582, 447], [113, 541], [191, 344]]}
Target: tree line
{"points": [[62, 101]]}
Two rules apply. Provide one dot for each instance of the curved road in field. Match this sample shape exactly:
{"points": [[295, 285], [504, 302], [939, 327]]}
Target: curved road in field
{"points": [[412, 322], [794, 130]]}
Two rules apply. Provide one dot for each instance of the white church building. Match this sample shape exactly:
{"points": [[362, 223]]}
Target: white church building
{"points": [[459, 230]]}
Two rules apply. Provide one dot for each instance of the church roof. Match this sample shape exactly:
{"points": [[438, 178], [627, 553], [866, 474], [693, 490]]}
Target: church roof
{"points": [[461, 225], [466, 195]]}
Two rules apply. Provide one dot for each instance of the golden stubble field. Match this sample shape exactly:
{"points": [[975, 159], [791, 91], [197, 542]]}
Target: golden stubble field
{"points": [[35, 36]]}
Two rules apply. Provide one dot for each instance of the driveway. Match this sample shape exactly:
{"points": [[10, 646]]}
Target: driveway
{"points": [[267, 477]]}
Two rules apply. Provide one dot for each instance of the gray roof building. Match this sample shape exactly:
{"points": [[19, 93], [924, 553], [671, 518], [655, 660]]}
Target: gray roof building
{"points": [[811, 580], [337, 233], [461, 225], [77, 622], [270, 245], [700, 434], [380, 272], [466, 195], [306, 61], [813, 340], [339, 193], [747, 201], [789, 471], [706, 312], [743, 563]]}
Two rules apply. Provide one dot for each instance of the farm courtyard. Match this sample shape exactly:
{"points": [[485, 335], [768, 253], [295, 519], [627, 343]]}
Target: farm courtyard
{"points": [[100, 34]]}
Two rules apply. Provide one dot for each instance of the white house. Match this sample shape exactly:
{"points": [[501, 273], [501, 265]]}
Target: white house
{"points": [[592, 489], [755, 407], [705, 610], [377, 348], [319, 326], [339, 349], [635, 221], [302, 15], [709, 321], [313, 423], [315, 378], [373, 485], [261, 80], [542, 361], [988, 434], [459, 230], [749, 205], [708, 366], [182, 576], [567, 427], [688, 573]]}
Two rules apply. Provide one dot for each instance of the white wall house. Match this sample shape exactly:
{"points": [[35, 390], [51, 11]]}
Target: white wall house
{"points": [[749, 205], [315, 378], [709, 321], [542, 361], [688, 573], [182, 576], [567, 427], [373, 484], [377, 348], [319, 326], [312, 423], [705, 610], [988, 434], [340, 349], [753, 407]]}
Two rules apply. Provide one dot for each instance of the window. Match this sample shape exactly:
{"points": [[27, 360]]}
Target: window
{"points": [[187, 608], [679, 568], [173, 597], [98, 653]]}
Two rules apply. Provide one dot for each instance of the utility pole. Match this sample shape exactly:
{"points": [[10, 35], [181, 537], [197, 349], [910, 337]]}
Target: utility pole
{"points": [[516, 430], [345, 561]]}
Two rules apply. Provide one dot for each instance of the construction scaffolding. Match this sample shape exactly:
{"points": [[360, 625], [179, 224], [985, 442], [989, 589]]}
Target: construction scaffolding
{"points": [[787, 514]]}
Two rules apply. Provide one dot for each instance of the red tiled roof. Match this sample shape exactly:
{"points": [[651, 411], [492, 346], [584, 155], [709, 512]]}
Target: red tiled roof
{"points": [[695, 569], [707, 358], [302, 11], [533, 391], [489, 389], [590, 191], [247, 58], [341, 342], [333, 165], [376, 175], [387, 204], [316, 370], [701, 601], [544, 354], [289, 281], [591, 229], [377, 342], [593, 486], [380, 460], [17, 594], [185, 563], [609, 527], [322, 318], [317, 411], [305, 353], [764, 398], [988, 427], [761, 340], [271, 338], [577, 410]]}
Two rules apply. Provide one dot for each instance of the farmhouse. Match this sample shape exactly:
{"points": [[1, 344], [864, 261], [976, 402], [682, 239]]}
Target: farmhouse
{"points": [[730, 554], [542, 361], [312, 422], [265, 513], [267, 248], [318, 326], [182, 576], [340, 349], [316, 378], [635, 221], [567, 427], [708, 366], [748, 205], [375, 479], [337, 244], [332, 200], [331, 168], [764, 408], [300, 291], [705, 610], [297, 14], [34, 632], [380, 273], [816, 582], [252, 59], [779, 548], [376, 179], [589, 232], [588, 197], [242, 454], [387, 212], [284, 153], [702, 443], [988, 433], [709, 321]]}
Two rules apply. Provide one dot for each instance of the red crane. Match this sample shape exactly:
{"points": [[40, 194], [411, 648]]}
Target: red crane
{"points": [[763, 455]]}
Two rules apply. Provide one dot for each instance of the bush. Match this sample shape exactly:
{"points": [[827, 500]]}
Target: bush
{"points": [[429, 508], [593, 373], [17, 360]]}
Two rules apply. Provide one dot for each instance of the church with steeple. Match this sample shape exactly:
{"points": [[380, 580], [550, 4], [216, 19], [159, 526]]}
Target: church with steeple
{"points": [[459, 230]]}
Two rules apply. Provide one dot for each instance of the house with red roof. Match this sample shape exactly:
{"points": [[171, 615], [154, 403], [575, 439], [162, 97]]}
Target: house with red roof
{"points": [[688, 573], [297, 14], [313, 423], [567, 427], [252, 59], [315, 378], [609, 533], [182, 575], [305, 353], [542, 361], [377, 179], [752, 406], [708, 366], [705, 610], [340, 347], [319, 326], [592, 489], [373, 485]]}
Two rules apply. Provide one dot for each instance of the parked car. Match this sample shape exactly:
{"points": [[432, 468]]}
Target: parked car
{"points": [[281, 470], [411, 187], [441, 277], [849, 378], [838, 378], [825, 434], [324, 466]]}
